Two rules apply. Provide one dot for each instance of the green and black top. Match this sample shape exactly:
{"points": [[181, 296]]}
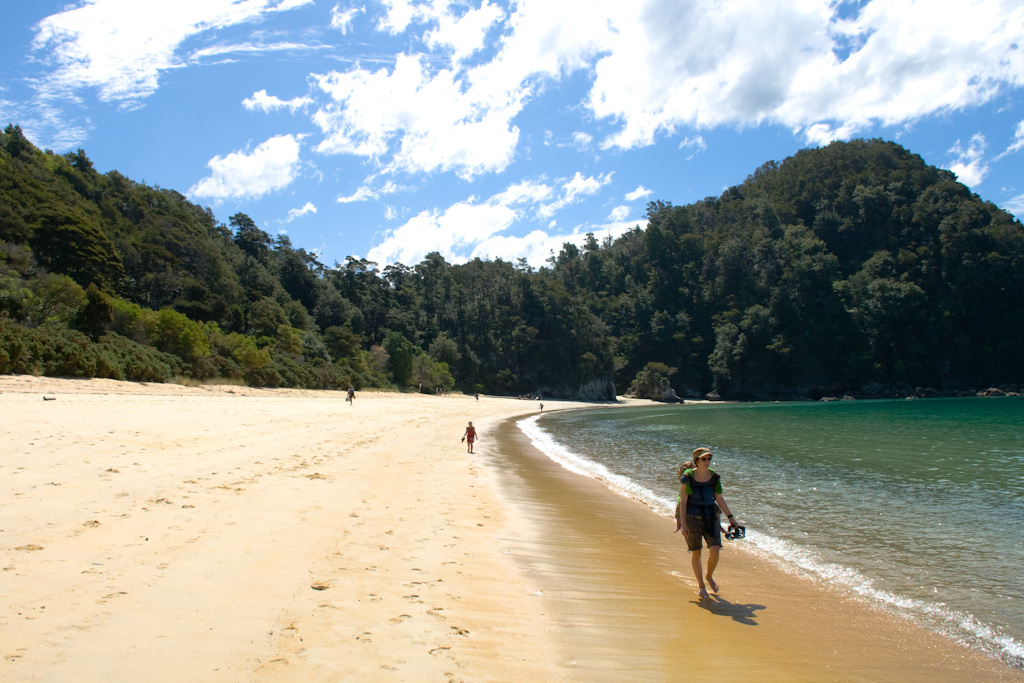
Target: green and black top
{"points": [[700, 495]]}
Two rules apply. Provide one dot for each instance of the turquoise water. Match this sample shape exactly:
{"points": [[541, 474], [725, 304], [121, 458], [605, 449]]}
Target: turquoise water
{"points": [[917, 506]]}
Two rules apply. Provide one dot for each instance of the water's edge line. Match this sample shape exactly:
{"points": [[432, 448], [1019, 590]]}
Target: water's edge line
{"points": [[961, 627]]}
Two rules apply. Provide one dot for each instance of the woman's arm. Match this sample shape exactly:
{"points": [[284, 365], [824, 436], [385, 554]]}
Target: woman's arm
{"points": [[720, 499], [682, 508]]}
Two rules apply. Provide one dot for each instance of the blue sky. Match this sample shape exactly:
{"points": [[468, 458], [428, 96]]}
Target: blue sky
{"points": [[390, 129]]}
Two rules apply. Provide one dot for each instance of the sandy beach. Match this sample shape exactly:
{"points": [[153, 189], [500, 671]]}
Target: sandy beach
{"points": [[169, 533]]}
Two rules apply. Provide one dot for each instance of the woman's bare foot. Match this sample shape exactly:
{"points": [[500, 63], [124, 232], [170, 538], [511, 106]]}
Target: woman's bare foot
{"points": [[714, 586], [703, 592]]}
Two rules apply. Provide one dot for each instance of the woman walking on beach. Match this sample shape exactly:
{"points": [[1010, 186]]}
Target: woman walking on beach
{"points": [[469, 436], [700, 504]]}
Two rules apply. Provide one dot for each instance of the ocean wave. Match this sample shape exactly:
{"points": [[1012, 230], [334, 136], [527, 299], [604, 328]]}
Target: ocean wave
{"points": [[800, 560]]}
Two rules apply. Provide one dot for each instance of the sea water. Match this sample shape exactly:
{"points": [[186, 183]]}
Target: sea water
{"points": [[916, 506]]}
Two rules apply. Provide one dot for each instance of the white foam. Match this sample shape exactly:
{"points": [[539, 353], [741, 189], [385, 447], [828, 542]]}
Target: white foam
{"points": [[794, 558], [543, 442]]}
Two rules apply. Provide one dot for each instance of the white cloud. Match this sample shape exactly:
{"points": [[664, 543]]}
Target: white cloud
{"points": [[341, 19], [366, 193], [441, 125], [362, 194], [251, 48], [463, 227], [822, 133], [696, 142], [464, 35], [573, 190], [308, 207], [525, 193], [660, 65], [476, 228], [800, 65], [412, 242], [1016, 206], [619, 213], [969, 166], [120, 47], [273, 165], [537, 246], [445, 118], [1017, 144], [582, 140], [639, 193], [450, 232], [45, 126], [582, 186], [399, 14], [824, 69], [262, 101]]}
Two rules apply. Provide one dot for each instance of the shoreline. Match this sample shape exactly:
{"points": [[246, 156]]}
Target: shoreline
{"points": [[613, 572], [162, 532]]}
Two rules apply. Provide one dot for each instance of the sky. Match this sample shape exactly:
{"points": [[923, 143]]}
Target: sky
{"points": [[388, 130]]}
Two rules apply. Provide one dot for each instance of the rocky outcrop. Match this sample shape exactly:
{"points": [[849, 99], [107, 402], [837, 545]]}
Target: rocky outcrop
{"points": [[597, 389]]}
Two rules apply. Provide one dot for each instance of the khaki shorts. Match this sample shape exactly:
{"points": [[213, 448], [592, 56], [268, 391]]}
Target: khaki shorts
{"points": [[697, 532]]}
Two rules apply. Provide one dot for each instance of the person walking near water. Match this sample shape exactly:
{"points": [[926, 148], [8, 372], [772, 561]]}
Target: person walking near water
{"points": [[351, 396], [700, 504], [469, 436]]}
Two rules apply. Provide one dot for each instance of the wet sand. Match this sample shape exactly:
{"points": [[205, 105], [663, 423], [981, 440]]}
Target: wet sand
{"points": [[622, 595], [165, 533]]}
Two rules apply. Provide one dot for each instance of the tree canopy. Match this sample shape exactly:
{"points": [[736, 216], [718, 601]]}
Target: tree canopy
{"points": [[839, 267]]}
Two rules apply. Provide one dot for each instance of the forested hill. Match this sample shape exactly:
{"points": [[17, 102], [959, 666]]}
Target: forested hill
{"points": [[853, 268]]}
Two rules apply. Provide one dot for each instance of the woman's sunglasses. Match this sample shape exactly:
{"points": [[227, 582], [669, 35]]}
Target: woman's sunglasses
{"points": [[704, 457]]}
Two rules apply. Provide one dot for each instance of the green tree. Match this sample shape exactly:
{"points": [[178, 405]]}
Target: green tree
{"points": [[653, 381], [98, 313], [400, 351], [429, 375], [66, 240]]}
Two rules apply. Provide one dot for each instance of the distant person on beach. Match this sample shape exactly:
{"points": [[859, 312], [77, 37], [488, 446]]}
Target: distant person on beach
{"points": [[351, 396], [700, 505], [469, 436]]}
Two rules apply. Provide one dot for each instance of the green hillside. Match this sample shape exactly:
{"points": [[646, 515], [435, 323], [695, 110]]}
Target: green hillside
{"points": [[842, 267]]}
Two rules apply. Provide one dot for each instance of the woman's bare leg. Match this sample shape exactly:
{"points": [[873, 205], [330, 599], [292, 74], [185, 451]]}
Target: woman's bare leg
{"points": [[712, 563], [698, 572]]}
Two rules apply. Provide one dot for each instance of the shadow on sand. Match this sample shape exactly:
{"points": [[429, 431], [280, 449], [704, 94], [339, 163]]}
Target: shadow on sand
{"points": [[743, 614]]}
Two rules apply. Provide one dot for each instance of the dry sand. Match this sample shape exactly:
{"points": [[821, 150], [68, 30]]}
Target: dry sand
{"points": [[167, 533]]}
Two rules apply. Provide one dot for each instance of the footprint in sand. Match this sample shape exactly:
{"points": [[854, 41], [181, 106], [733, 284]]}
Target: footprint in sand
{"points": [[400, 618], [104, 599], [364, 637]]}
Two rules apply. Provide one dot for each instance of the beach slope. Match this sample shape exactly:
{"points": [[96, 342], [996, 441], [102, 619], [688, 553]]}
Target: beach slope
{"points": [[168, 533]]}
